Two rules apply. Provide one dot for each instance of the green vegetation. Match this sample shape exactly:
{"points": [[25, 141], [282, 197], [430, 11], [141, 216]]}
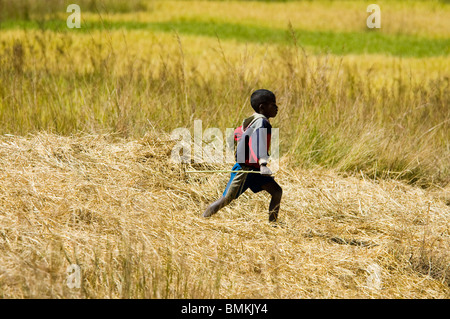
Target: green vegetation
{"points": [[318, 41]]}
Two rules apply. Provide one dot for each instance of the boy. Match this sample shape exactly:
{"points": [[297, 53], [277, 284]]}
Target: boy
{"points": [[252, 155]]}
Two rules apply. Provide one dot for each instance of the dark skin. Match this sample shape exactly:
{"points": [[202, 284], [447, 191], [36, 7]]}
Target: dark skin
{"points": [[268, 110]]}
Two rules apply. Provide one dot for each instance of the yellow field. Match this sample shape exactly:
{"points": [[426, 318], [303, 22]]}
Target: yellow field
{"points": [[131, 220], [429, 19]]}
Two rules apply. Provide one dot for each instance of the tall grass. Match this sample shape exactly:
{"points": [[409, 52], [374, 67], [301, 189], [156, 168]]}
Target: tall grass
{"points": [[385, 121]]}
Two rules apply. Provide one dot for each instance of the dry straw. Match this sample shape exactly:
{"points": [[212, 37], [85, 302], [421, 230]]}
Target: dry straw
{"points": [[132, 221]]}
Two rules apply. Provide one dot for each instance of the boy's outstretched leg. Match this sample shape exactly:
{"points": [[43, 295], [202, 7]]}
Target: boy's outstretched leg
{"points": [[235, 187], [214, 207], [276, 192]]}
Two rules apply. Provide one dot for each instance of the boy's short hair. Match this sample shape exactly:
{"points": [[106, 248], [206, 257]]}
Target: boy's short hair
{"points": [[260, 97]]}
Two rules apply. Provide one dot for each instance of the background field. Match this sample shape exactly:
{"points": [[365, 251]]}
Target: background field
{"points": [[364, 138]]}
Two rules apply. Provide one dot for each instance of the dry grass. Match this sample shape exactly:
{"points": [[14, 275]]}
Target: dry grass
{"points": [[131, 220], [377, 114]]}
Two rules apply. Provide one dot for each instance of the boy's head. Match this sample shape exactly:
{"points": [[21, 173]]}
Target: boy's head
{"points": [[264, 102]]}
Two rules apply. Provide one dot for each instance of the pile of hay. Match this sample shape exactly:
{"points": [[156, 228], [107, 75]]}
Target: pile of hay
{"points": [[131, 220]]}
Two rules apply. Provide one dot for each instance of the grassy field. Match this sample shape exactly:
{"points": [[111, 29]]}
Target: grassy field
{"points": [[364, 138], [131, 221]]}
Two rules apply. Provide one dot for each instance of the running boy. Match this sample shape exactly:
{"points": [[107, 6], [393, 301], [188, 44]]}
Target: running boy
{"points": [[253, 139]]}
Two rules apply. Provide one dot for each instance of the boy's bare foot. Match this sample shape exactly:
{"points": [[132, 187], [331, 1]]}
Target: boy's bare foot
{"points": [[277, 224], [209, 212], [214, 207]]}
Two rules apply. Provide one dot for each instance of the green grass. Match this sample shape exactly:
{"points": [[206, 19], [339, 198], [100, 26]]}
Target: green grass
{"points": [[340, 43]]}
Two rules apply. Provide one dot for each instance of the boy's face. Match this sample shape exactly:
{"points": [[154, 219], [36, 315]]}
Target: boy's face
{"points": [[269, 109]]}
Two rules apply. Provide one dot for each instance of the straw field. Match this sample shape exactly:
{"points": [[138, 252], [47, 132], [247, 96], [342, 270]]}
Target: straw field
{"points": [[132, 222], [85, 171]]}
